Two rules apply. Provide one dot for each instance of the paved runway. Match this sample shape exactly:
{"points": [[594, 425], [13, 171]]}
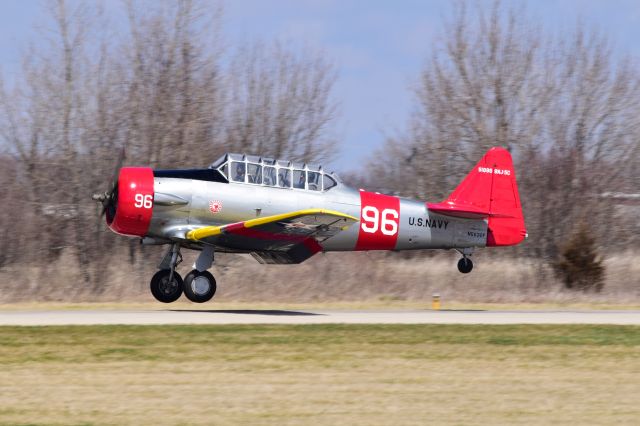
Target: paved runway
{"points": [[213, 316]]}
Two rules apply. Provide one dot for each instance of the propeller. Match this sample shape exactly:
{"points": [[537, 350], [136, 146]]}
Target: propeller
{"points": [[108, 198]]}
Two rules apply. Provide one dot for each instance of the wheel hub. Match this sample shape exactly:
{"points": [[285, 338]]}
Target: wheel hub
{"points": [[168, 287], [200, 285]]}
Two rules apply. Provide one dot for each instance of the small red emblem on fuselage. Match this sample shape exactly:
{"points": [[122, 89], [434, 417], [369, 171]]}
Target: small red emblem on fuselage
{"points": [[215, 206]]}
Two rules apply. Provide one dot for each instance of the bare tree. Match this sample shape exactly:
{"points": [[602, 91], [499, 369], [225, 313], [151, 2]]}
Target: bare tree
{"points": [[484, 85], [172, 105], [566, 107], [279, 103], [160, 91], [592, 134], [41, 128]]}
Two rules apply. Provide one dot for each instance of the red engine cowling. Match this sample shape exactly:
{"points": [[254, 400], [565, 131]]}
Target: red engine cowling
{"points": [[130, 211]]}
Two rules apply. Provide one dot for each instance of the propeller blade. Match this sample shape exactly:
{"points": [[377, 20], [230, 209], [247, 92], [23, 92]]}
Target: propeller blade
{"points": [[106, 198], [114, 179], [99, 221], [100, 197]]}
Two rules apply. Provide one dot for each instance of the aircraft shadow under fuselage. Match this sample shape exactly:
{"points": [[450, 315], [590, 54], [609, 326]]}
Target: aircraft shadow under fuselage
{"points": [[271, 312]]}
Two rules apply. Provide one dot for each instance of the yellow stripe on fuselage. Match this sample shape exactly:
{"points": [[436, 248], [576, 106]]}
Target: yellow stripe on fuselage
{"points": [[211, 231]]}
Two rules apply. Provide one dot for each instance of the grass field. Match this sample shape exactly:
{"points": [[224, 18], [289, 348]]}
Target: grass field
{"points": [[355, 375]]}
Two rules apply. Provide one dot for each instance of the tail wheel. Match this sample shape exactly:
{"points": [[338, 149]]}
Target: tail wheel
{"points": [[163, 289], [465, 265], [199, 287]]}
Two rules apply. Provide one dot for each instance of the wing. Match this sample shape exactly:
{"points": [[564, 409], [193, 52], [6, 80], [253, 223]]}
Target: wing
{"points": [[285, 238]]}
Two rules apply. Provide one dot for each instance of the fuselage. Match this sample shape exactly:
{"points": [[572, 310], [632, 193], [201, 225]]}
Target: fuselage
{"points": [[386, 222]]}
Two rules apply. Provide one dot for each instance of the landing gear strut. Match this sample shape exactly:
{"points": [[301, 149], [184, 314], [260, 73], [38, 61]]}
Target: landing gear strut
{"points": [[465, 265]]}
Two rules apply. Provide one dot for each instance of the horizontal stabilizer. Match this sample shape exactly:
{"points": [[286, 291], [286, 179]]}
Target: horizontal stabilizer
{"points": [[466, 211], [456, 210]]}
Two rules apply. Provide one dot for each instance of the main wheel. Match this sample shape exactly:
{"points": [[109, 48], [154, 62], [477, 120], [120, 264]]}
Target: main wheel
{"points": [[163, 290], [465, 265], [199, 287]]}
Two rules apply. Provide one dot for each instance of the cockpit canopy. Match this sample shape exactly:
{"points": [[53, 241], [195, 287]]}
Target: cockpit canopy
{"points": [[251, 169]]}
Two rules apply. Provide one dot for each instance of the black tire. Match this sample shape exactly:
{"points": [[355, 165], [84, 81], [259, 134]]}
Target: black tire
{"points": [[465, 265], [195, 287], [164, 291]]}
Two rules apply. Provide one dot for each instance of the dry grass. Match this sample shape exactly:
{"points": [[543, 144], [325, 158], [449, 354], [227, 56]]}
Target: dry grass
{"points": [[381, 304], [357, 375], [336, 278]]}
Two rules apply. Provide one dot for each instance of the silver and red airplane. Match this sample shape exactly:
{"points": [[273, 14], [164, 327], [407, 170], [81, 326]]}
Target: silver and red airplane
{"points": [[283, 212]]}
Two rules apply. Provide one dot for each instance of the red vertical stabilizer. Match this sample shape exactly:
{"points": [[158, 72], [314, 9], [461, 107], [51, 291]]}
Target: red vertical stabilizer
{"points": [[489, 190]]}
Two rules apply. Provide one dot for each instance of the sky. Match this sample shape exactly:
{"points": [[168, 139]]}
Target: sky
{"points": [[377, 46]]}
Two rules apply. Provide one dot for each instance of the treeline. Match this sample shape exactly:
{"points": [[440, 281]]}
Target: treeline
{"points": [[166, 85], [567, 106]]}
